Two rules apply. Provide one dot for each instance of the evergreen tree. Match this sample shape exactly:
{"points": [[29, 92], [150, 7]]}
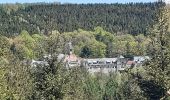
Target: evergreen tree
{"points": [[156, 83]]}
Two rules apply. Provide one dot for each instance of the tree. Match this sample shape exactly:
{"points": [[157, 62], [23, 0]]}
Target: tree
{"points": [[24, 45], [156, 83], [4, 46], [48, 80], [15, 76], [39, 48], [85, 52], [107, 38], [112, 87], [94, 87], [73, 87], [132, 18], [129, 87]]}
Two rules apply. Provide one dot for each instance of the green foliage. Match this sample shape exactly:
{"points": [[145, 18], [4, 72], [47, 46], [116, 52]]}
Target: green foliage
{"points": [[85, 52], [73, 88], [132, 18], [24, 45], [53, 81], [112, 88], [27, 39], [107, 38], [97, 48], [4, 46], [15, 81], [100, 43], [48, 81], [92, 88], [39, 45], [157, 69]]}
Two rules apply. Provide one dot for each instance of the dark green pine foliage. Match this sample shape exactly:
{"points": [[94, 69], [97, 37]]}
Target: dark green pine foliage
{"points": [[86, 52], [156, 83], [132, 18], [48, 81]]}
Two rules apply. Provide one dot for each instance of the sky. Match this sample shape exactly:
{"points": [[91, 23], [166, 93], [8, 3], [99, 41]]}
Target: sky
{"points": [[75, 1]]}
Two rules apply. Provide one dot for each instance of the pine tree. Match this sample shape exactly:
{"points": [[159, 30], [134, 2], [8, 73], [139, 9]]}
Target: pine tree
{"points": [[156, 82]]}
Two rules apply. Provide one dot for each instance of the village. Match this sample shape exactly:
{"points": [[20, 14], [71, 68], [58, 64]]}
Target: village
{"points": [[95, 65]]}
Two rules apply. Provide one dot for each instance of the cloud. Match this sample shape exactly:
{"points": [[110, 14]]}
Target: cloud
{"points": [[167, 1]]}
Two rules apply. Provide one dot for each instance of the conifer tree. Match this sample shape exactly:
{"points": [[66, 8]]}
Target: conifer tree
{"points": [[156, 82]]}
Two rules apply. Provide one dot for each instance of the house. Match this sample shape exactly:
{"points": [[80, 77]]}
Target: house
{"points": [[35, 63], [121, 63], [139, 60], [130, 64], [105, 65], [70, 59]]}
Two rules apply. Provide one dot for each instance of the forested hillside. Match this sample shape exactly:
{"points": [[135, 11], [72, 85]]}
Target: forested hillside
{"points": [[21, 81], [53, 80], [132, 18]]}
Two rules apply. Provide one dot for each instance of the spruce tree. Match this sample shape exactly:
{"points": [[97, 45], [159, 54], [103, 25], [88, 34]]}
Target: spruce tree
{"points": [[156, 82]]}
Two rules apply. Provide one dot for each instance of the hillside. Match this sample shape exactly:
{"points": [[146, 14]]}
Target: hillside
{"points": [[132, 18]]}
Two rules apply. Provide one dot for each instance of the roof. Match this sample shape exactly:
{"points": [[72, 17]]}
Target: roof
{"points": [[71, 57], [60, 56], [102, 59], [140, 58], [121, 56], [34, 63], [130, 62]]}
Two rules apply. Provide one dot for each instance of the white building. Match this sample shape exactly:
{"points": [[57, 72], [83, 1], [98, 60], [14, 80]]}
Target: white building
{"points": [[95, 65], [105, 65]]}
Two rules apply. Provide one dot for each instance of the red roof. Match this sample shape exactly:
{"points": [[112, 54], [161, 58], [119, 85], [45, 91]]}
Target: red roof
{"points": [[130, 62], [71, 57]]}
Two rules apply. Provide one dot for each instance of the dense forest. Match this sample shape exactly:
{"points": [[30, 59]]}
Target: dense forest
{"points": [[131, 18], [21, 41]]}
